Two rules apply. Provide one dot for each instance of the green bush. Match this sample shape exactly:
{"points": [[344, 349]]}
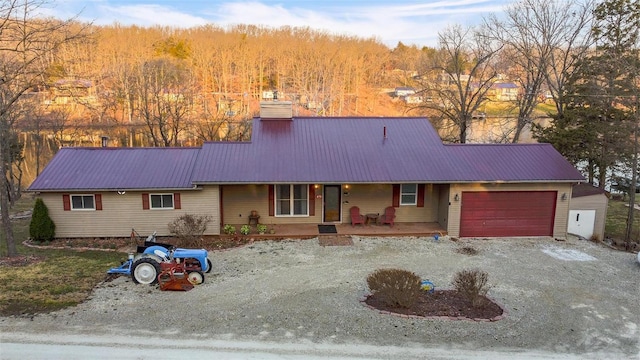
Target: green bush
{"points": [[245, 230], [41, 228], [472, 284], [229, 229], [395, 287]]}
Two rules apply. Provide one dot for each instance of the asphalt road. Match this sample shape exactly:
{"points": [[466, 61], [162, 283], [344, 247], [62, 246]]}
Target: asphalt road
{"points": [[19, 346]]}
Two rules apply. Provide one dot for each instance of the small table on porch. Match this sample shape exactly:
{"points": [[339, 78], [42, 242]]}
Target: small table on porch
{"points": [[371, 217], [253, 220]]}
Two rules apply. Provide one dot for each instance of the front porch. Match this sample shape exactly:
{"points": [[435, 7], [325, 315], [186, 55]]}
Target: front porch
{"points": [[305, 231]]}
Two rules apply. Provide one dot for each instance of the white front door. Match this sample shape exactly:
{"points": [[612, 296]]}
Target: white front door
{"points": [[582, 222]]}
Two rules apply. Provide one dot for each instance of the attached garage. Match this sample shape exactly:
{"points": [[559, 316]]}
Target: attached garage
{"points": [[507, 213]]}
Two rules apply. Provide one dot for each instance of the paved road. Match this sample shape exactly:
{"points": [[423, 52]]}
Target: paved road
{"points": [[18, 346]]}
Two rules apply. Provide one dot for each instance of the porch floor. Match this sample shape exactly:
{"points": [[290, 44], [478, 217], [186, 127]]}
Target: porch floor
{"points": [[311, 230]]}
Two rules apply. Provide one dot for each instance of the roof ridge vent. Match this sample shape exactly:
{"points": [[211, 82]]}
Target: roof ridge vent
{"points": [[276, 110]]}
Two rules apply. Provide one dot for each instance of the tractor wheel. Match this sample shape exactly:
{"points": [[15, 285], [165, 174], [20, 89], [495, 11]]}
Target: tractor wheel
{"points": [[145, 271], [195, 277], [210, 266]]}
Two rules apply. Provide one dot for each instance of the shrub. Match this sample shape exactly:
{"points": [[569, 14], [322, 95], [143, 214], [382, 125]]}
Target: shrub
{"points": [[229, 229], [395, 287], [245, 230], [472, 284], [188, 228], [261, 228], [41, 228]]}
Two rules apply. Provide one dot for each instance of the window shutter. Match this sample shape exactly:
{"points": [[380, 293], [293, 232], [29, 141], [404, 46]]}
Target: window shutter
{"points": [[176, 201], [272, 211], [145, 201], [420, 195], [396, 195], [98, 201], [312, 201], [66, 202]]}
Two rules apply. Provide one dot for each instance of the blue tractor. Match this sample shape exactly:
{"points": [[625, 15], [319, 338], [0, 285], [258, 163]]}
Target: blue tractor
{"points": [[152, 259]]}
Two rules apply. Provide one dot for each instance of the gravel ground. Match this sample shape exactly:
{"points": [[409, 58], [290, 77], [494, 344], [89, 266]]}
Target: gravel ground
{"points": [[562, 297]]}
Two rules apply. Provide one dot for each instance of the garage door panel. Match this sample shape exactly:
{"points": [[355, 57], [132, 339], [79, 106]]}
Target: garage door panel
{"points": [[507, 213]]}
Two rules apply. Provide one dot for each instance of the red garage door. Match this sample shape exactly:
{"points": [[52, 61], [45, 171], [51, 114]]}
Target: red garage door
{"points": [[507, 213]]}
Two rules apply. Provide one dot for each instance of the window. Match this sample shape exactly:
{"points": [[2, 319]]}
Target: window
{"points": [[292, 200], [83, 202], [408, 194], [161, 201]]}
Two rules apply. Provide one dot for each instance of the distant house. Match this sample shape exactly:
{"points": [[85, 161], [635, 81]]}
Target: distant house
{"points": [[403, 91], [412, 99], [504, 91], [64, 91], [311, 170]]}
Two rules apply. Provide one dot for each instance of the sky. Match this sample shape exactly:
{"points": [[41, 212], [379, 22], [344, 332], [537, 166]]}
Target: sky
{"points": [[411, 22]]}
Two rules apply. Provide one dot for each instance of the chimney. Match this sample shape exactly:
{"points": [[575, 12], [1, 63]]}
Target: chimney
{"points": [[276, 110], [105, 140], [384, 132]]}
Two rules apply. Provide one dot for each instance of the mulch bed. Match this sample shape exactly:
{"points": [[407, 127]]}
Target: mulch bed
{"points": [[442, 303]]}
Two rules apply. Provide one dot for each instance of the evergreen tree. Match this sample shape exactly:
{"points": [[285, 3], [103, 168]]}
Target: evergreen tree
{"points": [[41, 228], [597, 126]]}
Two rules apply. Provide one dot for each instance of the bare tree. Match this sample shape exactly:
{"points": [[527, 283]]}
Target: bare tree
{"points": [[27, 46], [542, 41], [165, 93], [456, 84]]}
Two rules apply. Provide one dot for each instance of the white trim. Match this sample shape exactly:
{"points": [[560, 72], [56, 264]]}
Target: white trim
{"points": [[173, 202], [415, 195], [291, 200], [82, 208]]}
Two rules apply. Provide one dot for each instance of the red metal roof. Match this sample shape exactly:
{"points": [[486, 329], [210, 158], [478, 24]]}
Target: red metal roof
{"points": [[309, 150], [117, 169], [355, 150], [587, 189]]}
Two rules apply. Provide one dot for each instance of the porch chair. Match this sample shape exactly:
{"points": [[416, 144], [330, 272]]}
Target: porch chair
{"points": [[388, 216], [356, 218]]}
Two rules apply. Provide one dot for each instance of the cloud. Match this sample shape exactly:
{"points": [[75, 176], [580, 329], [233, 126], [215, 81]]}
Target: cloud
{"points": [[389, 21], [413, 23], [148, 15]]}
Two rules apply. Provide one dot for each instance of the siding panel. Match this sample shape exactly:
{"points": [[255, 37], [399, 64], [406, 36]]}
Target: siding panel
{"points": [[121, 213]]}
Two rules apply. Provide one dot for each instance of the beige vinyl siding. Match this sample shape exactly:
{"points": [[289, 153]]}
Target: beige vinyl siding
{"points": [[239, 200], [122, 213], [562, 206], [375, 198], [596, 202], [443, 205]]}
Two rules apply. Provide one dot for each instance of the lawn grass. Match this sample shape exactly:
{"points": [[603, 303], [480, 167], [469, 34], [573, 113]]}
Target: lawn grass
{"points": [[616, 224], [55, 279]]}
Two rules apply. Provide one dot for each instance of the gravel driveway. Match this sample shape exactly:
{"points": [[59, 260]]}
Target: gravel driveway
{"points": [[562, 297]]}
